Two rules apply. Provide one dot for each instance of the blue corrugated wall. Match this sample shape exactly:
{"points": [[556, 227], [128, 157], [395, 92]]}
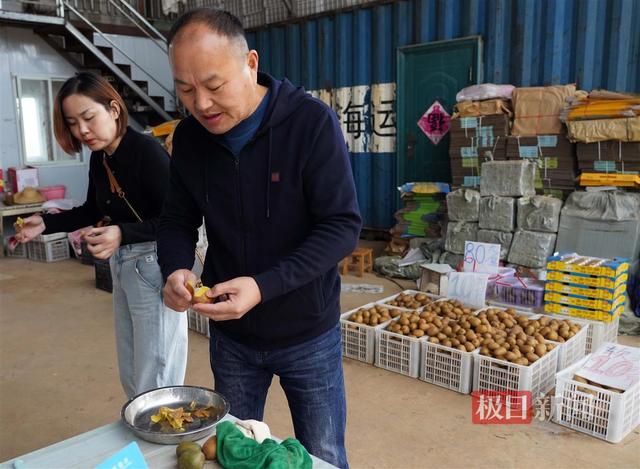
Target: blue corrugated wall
{"points": [[595, 43]]}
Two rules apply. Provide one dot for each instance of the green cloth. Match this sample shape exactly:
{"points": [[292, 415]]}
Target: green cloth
{"points": [[236, 451]]}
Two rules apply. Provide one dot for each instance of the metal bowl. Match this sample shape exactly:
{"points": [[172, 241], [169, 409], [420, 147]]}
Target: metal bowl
{"points": [[136, 413]]}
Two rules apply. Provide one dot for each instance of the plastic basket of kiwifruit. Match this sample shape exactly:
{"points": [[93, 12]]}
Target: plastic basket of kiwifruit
{"points": [[570, 335], [398, 344], [450, 343], [514, 355], [409, 300], [357, 328]]}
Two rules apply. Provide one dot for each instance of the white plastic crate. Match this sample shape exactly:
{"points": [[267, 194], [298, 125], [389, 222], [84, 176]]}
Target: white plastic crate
{"points": [[50, 237], [48, 251], [397, 352], [359, 340], [198, 323], [573, 349], [598, 332], [446, 366], [492, 374], [601, 332], [569, 351], [604, 414]]}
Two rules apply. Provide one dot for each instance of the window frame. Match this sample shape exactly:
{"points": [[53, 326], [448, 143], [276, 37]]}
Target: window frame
{"points": [[80, 160]]}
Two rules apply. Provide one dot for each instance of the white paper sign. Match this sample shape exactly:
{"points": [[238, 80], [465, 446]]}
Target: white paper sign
{"points": [[468, 287], [614, 365], [481, 257]]}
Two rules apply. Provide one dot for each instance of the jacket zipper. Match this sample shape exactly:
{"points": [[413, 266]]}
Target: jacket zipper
{"points": [[241, 212]]}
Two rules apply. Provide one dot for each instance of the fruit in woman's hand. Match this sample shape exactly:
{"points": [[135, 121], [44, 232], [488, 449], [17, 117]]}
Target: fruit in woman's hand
{"points": [[19, 224]]}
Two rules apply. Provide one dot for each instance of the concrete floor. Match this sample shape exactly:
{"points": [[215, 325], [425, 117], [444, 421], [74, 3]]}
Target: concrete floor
{"points": [[58, 378]]}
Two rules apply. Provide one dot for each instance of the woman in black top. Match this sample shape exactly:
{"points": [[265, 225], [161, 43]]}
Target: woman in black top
{"points": [[151, 339]]}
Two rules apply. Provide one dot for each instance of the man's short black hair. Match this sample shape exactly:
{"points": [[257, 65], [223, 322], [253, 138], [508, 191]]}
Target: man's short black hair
{"points": [[219, 21]]}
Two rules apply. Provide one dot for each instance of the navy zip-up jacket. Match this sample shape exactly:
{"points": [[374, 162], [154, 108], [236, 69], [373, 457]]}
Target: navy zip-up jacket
{"points": [[283, 211]]}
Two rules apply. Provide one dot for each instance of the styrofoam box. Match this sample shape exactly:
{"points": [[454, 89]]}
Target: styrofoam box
{"points": [[492, 374], [198, 322], [397, 352], [359, 340], [604, 414], [384, 301], [446, 366]]}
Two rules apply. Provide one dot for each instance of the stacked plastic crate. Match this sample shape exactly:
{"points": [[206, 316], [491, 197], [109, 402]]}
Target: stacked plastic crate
{"points": [[48, 248], [590, 288]]}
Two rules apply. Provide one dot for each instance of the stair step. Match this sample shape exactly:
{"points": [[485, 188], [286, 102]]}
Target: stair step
{"points": [[57, 42], [144, 86], [159, 100], [126, 69], [57, 39], [74, 46], [108, 51]]}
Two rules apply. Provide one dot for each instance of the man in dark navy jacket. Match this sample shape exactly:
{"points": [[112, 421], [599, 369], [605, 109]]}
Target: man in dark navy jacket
{"points": [[267, 166]]}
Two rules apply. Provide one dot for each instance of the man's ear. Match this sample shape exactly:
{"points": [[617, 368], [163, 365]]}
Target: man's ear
{"points": [[252, 60]]}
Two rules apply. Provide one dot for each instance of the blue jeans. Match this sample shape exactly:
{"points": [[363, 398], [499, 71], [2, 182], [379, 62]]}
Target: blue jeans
{"points": [[311, 376], [151, 339]]}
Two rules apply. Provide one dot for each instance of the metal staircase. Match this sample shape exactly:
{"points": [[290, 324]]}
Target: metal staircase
{"points": [[74, 36]]}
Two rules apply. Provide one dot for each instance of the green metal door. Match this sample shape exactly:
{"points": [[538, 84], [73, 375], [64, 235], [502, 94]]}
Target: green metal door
{"points": [[426, 73]]}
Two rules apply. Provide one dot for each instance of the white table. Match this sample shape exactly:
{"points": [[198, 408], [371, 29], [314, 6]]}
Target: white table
{"points": [[90, 449]]}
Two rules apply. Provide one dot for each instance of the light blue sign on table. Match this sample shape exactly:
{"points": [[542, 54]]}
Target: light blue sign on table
{"points": [[130, 457]]}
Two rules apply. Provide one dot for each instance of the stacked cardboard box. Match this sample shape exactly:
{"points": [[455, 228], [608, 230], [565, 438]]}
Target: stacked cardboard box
{"points": [[473, 141], [609, 157], [555, 157]]}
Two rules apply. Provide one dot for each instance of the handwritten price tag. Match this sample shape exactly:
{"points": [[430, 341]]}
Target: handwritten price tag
{"points": [[481, 257], [613, 365], [468, 287]]}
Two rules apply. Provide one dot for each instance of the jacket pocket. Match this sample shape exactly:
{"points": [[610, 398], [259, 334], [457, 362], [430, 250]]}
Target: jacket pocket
{"points": [[311, 295]]}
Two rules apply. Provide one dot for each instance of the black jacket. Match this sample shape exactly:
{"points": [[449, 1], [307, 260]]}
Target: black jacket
{"points": [[283, 211], [141, 167]]}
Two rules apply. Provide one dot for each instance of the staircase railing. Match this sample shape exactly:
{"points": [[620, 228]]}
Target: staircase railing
{"points": [[133, 13], [115, 46]]}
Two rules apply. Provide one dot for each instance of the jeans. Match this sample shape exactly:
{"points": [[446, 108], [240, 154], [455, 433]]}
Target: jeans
{"points": [[151, 339], [311, 377]]}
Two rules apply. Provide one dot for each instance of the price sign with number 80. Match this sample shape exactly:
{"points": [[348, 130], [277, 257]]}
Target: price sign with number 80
{"points": [[481, 257]]}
